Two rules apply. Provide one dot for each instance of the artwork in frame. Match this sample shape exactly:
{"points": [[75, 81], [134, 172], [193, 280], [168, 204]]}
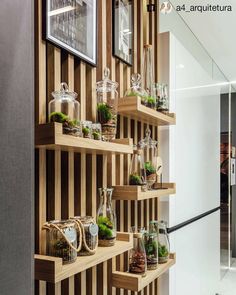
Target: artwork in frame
{"points": [[72, 25], [123, 30]]}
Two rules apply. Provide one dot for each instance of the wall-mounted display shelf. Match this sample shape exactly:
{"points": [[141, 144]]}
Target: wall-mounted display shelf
{"points": [[50, 136], [133, 108], [135, 193], [51, 269], [136, 283]]}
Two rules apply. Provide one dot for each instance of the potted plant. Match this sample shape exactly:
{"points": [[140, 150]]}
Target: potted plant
{"points": [[150, 174]]}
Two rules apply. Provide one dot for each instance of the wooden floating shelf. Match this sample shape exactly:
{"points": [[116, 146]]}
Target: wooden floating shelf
{"points": [[135, 193], [136, 283], [50, 136], [51, 269], [133, 108]]}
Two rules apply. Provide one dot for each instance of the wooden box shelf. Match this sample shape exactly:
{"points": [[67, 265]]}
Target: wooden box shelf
{"points": [[136, 283], [133, 108], [50, 136], [51, 269], [135, 193]]}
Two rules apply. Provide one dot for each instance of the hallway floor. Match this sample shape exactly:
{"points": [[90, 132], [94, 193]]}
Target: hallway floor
{"points": [[227, 285]]}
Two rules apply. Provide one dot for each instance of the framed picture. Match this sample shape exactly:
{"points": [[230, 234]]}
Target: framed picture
{"points": [[123, 30], [72, 25]]}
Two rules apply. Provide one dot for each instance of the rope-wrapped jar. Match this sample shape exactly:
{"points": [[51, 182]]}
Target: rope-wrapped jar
{"points": [[89, 230], [64, 239]]}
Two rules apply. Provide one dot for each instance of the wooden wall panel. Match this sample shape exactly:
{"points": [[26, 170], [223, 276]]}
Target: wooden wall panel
{"points": [[67, 183]]}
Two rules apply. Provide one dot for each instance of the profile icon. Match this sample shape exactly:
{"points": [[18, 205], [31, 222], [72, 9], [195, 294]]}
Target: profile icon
{"points": [[165, 7]]}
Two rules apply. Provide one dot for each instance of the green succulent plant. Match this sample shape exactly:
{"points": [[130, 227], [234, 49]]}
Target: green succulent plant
{"points": [[96, 135], [135, 179], [151, 247], [105, 228], [150, 169], [85, 131], [104, 113], [162, 251], [151, 100], [58, 117]]}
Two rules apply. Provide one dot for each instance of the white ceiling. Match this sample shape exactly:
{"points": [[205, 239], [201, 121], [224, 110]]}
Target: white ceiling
{"points": [[216, 31]]}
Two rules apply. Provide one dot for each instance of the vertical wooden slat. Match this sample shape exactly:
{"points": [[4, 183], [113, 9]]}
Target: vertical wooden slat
{"points": [[70, 186]]}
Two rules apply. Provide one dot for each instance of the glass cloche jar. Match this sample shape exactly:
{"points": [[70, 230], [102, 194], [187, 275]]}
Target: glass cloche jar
{"points": [[65, 109], [136, 89], [149, 147], [137, 174], [107, 102]]}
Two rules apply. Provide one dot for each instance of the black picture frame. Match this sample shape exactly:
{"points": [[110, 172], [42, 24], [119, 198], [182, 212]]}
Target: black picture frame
{"points": [[77, 22], [122, 30]]}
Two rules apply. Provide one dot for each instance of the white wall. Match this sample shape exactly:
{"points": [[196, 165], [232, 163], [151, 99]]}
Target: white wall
{"points": [[191, 154]]}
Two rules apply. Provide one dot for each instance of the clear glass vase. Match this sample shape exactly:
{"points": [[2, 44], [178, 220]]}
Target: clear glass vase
{"points": [[106, 219], [161, 94], [136, 89], [163, 243], [149, 147], [151, 248], [137, 256], [148, 75], [137, 173], [65, 109], [107, 103]]}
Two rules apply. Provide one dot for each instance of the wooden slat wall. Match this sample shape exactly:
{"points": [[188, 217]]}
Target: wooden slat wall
{"points": [[67, 183]]}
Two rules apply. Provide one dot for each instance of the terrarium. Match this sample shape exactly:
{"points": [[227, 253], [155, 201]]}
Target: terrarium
{"points": [[86, 129], [162, 97], [137, 174], [149, 147], [151, 246], [148, 75], [106, 219], [96, 131], [65, 109], [107, 103], [88, 230], [163, 243], [137, 256], [61, 239], [136, 89]]}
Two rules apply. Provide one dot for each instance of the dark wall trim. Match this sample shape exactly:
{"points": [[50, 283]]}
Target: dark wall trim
{"points": [[185, 223], [16, 147]]}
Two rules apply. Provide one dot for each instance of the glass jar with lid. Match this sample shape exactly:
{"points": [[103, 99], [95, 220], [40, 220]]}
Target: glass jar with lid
{"points": [[61, 240], [65, 109], [107, 103], [137, 173], [149, 147], [106, 219], [136, 89], [89, 231], [137, 256], [163, 242]]}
